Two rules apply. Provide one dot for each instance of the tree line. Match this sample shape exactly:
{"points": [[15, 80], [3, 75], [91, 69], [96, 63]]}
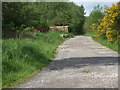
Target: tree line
{"points": [[17, 16], [105, 24]]}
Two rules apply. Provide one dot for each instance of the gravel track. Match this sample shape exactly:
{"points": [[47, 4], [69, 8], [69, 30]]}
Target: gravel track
{"points": [[80, 62]]}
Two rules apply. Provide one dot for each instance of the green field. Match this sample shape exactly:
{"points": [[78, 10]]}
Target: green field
{"points": [[23, 58]]}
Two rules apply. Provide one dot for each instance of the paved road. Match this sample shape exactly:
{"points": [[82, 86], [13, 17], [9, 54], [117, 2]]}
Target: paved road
{"points": [[80, 63]]}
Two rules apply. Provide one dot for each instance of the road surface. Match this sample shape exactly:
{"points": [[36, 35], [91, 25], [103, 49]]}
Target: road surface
{"points": [[80, 62]]}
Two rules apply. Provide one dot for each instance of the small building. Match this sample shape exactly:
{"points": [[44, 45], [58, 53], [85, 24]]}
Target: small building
{"points": [[59, 28]]}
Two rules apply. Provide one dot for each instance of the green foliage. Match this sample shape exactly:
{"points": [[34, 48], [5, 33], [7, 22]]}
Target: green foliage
{"points": [[109, 27], [43, 14], [105, 28], [94, 16], [89, 34], [29, 29], [24, 57]]}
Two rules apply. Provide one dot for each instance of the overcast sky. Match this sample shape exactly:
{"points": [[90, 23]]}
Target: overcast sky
{"points": [[89, 4]]}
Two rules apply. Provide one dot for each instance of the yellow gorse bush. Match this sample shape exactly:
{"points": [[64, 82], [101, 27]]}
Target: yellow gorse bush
{"points": [[109, 26]]}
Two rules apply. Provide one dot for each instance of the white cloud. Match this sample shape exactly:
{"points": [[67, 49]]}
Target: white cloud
{"points": [[90, 5]]}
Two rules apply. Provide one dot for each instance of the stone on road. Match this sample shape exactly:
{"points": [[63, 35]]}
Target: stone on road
{"points": [[80, 62]]}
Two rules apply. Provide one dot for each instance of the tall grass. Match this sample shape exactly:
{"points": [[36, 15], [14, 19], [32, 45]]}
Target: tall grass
{"points": [[24, 57]]}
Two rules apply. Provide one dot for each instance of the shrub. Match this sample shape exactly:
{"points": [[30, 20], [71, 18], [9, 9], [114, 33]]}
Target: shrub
{"points": [[29, 29], [109, 27], [93, 18]]}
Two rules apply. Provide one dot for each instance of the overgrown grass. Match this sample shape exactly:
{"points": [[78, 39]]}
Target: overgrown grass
{"points": [[24, 57], [89, 34], [105, 42]]}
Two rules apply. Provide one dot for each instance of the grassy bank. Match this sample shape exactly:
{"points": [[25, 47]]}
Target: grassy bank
{"points": [[105, 42], [22, 58]]}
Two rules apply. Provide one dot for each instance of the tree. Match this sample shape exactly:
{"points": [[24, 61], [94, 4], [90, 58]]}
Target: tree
{"points": [[94, 16], [109, 27], [20, 15]]}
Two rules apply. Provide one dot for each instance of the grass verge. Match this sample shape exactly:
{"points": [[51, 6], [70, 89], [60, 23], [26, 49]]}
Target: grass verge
{"points": [[105, 42], [22, 58]]}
